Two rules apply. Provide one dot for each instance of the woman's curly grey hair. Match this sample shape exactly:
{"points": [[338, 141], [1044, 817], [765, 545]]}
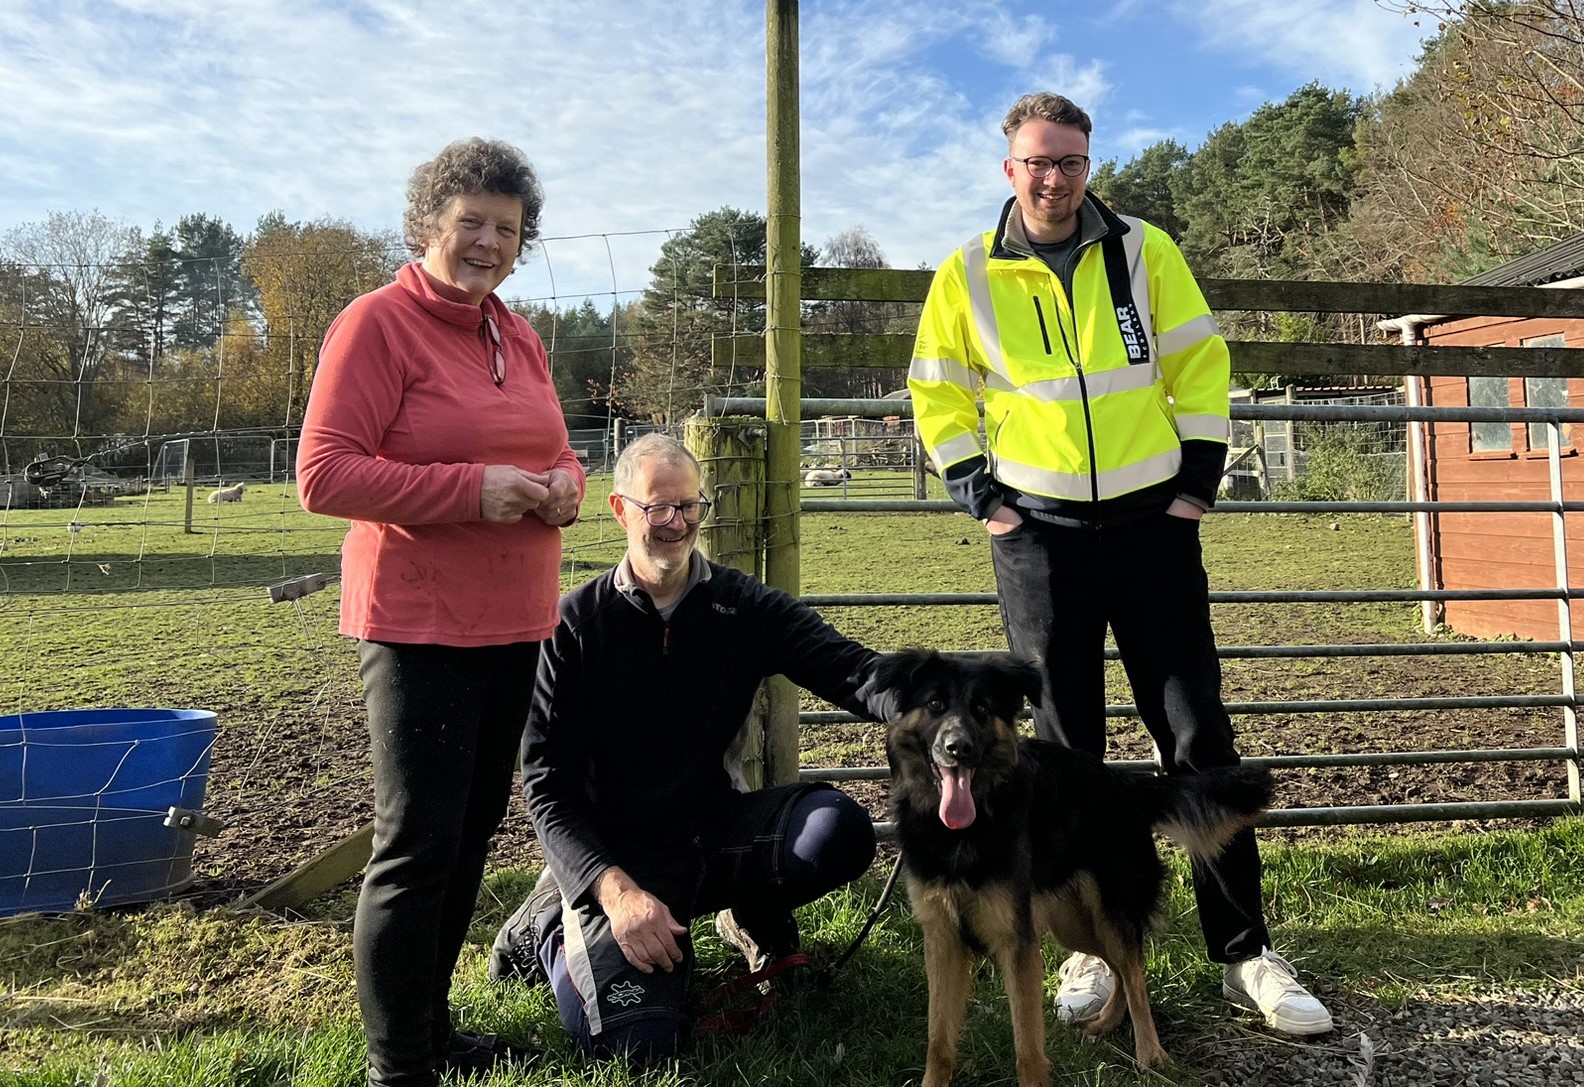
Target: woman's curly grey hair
{"points": [[465, 168]]}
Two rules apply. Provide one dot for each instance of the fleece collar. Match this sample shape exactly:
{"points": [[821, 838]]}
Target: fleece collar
{"points": [[1095, 222], [627, 585], [415, 283]]}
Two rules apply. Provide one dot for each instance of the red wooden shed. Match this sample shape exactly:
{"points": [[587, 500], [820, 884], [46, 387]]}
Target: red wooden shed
{"points": [[1496, 461]]}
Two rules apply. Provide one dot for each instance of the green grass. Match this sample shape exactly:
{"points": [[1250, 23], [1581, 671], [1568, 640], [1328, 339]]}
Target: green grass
{"points": [[134, 610], [166, 996]]}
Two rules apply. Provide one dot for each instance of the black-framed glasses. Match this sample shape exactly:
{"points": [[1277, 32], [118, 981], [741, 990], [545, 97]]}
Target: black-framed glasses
{"points": [[1039, 166], [498, 361], [660, 513]]}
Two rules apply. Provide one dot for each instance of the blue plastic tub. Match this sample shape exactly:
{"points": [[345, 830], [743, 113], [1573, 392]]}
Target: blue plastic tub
{"points": [[83, 800]]}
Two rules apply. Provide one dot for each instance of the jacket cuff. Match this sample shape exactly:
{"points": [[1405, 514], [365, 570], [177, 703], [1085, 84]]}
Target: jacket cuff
{"points": [[970, 485], [1203, 464]]}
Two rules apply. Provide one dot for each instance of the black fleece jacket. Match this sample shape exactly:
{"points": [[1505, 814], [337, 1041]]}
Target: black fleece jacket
{"points": [[623, 753]]}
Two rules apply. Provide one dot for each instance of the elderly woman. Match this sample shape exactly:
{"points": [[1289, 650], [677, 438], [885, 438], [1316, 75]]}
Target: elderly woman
{"points": [[433, 427]]}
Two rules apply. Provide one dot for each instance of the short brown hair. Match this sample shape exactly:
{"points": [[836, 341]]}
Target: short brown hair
{"points": [[466, 168], [1045, 106]]}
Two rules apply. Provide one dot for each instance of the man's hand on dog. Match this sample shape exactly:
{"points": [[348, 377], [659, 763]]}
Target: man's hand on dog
{"points": [[644, 928]]}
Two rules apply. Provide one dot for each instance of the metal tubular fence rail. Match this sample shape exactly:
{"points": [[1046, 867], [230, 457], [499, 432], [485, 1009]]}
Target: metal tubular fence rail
{"points": [[1565, 647]]}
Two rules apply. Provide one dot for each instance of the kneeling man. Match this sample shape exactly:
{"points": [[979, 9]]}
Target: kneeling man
{"points": [[641, 693]]}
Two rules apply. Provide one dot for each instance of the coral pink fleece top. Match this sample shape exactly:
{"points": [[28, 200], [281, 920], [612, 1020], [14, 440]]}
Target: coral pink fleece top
{"points": [[402, 419]]}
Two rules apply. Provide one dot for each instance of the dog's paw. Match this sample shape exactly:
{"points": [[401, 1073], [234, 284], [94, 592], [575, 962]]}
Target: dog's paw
{"points": [[1152, 1056]]}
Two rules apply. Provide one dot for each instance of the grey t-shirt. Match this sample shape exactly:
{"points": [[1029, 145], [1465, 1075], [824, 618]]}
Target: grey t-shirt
{"points": [[1058, 256]]}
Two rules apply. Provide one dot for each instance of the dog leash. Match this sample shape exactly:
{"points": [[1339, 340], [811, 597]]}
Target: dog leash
{"points": [[741, 1020], [827, 977]]}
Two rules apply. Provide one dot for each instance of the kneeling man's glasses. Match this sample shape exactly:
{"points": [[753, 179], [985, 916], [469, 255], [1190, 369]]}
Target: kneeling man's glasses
{"points": [[660, 513]]}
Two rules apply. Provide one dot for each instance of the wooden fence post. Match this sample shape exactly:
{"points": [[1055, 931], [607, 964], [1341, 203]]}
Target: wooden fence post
{"points": [[731, 452]]}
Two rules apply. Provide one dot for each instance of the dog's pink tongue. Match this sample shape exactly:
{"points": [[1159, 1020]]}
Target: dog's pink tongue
{"points": [[957, 806]]}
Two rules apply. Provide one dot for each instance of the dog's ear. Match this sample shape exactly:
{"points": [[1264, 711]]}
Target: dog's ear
{"points": [[892, 678], [1028, 677]]}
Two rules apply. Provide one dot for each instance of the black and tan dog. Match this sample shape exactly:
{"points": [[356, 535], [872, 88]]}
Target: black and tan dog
{"points": [[1005, 839]]}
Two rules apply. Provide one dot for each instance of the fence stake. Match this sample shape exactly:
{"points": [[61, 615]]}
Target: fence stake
{"points": [[783, 353], [731, 452], [187, 481]]}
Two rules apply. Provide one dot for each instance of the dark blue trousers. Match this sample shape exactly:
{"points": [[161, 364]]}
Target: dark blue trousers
{"points": [[769, 852]]}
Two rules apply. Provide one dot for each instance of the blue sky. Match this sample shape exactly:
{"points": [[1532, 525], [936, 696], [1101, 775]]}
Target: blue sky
{"points": [[638, 114]]}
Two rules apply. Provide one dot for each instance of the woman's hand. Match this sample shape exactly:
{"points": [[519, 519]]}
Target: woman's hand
{"points": [[509, 493], [561, 507], [1181, 507]]}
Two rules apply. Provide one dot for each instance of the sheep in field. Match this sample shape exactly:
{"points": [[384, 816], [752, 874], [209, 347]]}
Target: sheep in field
{"points": [[826, 477], [232, 493]]}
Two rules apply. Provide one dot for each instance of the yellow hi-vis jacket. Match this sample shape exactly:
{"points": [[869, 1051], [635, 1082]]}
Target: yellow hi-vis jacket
{"points": [[1087, 416]]}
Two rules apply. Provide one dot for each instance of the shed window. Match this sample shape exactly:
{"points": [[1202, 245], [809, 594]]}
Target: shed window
{"points": [[1545, 392], [1490, 436]]}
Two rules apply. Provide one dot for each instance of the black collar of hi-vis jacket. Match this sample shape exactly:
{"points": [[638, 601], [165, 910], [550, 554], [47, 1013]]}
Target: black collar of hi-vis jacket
{"points": [[1096, 223]]}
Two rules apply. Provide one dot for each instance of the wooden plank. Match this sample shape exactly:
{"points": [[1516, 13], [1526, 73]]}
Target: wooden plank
{"points": [[846, 351], [1490, 619], [1275, 296], [1391, 299], [313, 878], [1395, 359], [830, 284], [1525, 559], [825, 350]]}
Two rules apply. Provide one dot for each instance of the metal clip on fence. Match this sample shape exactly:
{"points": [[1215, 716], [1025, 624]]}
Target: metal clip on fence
{"points": [[194, 822]]}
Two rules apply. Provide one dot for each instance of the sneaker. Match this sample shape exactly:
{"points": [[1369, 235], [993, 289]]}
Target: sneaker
{"points": [[1269, 985], [762, 956], [476, 1054], [1086, 985], [516, 950]]}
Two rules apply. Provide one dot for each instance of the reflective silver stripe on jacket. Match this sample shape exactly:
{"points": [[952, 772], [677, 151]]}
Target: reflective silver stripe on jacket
{"points": [[1204, 426], [976, 269], [1075, 485], [953, 450], [1121, 380], [1189, 334], [948, 370]]}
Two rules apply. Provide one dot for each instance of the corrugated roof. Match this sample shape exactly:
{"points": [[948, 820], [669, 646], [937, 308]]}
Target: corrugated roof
{"points": [[1558, 261]]}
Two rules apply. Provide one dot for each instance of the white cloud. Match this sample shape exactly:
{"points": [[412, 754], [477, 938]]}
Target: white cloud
{"points": [[1355, 44], [638, 114]]}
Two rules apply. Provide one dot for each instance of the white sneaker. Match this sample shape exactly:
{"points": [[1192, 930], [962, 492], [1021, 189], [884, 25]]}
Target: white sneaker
{"points": [[1086, 985], [1269, 985]]}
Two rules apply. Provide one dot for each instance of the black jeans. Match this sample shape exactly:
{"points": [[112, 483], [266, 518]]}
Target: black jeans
{"points": [[445, 724], [1059, 588]]}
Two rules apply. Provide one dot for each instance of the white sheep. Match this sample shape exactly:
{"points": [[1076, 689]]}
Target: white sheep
{"points": [[826, 477], [232, 493]]}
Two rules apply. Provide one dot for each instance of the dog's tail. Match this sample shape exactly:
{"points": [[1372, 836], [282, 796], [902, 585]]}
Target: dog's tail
{"points": [[1201, 812]]}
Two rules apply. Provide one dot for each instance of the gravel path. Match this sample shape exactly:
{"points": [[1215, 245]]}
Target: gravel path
{"points": [[1498, 1038]]}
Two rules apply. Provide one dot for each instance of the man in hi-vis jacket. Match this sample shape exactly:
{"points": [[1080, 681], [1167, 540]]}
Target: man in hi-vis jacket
{"points": [[1104, 383]]}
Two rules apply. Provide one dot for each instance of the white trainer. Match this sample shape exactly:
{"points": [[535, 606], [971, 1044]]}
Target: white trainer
{"points": [[1269, 985], [1086, 984]]}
